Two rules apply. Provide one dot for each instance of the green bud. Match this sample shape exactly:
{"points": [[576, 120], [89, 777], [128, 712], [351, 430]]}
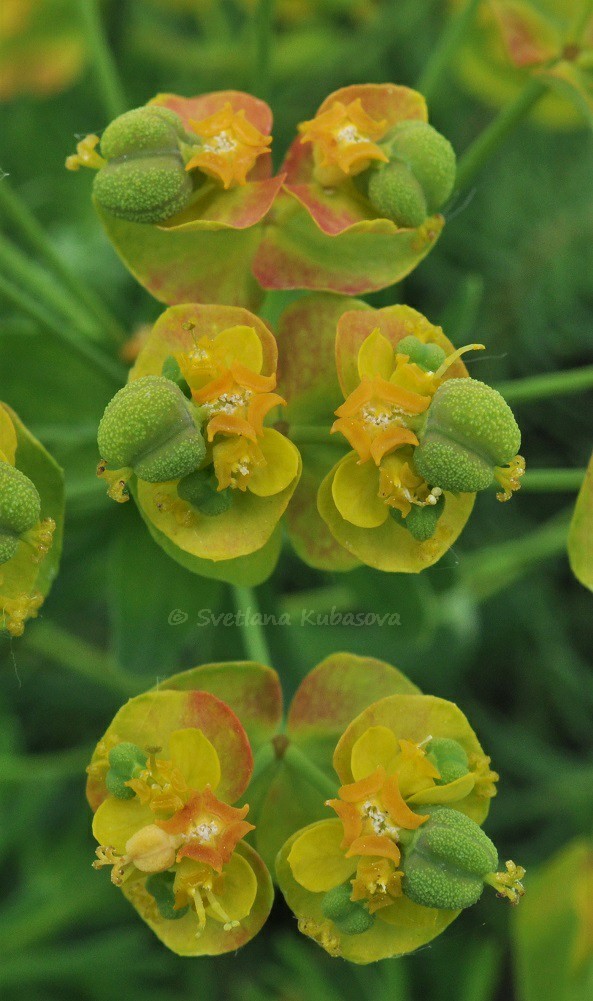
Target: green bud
{"points": [[200, 489], [469, 431], [172, 371], [445, 862], [20, 509], [449, 757], [421, 522], [149, 426], [126, 761], [429, 156], [144, 179], [160, 886], [350, 916], [428, 356], [395, 194]]}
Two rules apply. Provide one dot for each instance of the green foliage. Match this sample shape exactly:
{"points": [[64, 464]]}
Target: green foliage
{"points": [[504, 631]]}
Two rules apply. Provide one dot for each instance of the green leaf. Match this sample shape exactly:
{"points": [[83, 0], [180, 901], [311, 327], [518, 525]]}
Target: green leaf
{"points": [[551, 933], [580, 533]]}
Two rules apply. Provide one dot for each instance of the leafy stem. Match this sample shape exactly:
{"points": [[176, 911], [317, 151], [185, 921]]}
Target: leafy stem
{"points": [[254, 637]]}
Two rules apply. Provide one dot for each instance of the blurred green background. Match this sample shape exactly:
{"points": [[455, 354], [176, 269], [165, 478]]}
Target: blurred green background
{"points": [[499, 625]]}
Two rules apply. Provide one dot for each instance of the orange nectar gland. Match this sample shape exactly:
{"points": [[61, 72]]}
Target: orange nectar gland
{"points": [[230, 146], [374, 418], [343, 141], [373, 812]]}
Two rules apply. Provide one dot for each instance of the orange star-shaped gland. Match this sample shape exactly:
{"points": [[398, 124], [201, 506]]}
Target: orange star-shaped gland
{"points": [[343, 138], [209, 830], [237, 402], [230, 146], [374, 418], [372, 812]]}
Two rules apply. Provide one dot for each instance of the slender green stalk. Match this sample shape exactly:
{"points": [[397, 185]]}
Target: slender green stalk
{"points": [[301, 765], [263, 759], [488, 142], [59, 328], [41, 286], [17, 213], [312, 434], [542, 387], [109, 84], [552, 480], [262, 75], [443, 53], [44, 767], [77, 655], [494, 568], [254, 637]]}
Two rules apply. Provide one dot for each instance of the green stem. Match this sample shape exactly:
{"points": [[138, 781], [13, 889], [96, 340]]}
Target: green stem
{"points": [[262, 75], [301, 765], [549, 384], [254, 637], [263, 759], [44, 767], [60, 329], [111, 90], [494, 135], [77, 655], [312, 434], [19, 267], [553, 480], [18, 214], [443, 53], [492, 569]]}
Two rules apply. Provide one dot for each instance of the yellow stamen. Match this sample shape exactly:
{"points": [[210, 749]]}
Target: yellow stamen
{"points": [[86, 155], [508, 884], [509, 477]]}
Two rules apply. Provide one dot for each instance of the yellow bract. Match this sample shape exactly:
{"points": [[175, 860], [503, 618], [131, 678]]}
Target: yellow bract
{"points": [[230, 148], [224, 374], [377, 420], [343, 140]]}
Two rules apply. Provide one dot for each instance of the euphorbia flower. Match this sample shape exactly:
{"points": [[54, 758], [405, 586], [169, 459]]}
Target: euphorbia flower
{"points": [[343, 139], [162, 782], [31, 518], [511, 40], [231, 146], [181, 188], [397, 372], [215, 481], [407, 761], [342, 224]]}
